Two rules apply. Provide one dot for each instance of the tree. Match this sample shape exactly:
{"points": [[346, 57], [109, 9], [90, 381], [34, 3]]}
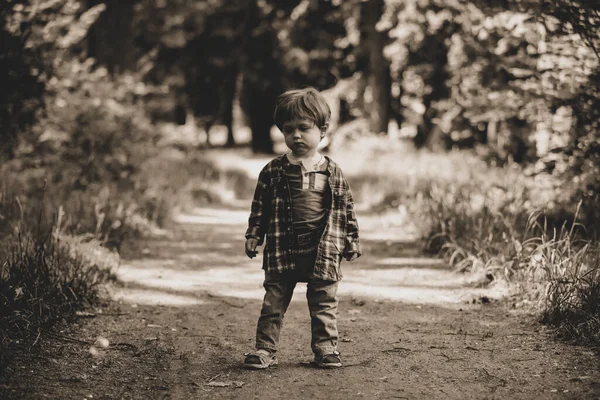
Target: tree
{"points": [[20, 69], [36, 40], [433, 52], [262, 73], [378, 72], [110, 39]]}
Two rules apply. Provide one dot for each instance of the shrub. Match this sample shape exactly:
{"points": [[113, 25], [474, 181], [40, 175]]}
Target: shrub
{"points": [[44, 276], [564, 272], [41, 281]]}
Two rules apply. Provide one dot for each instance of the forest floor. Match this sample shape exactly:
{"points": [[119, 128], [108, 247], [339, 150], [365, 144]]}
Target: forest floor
{"points": [[184, 309]]}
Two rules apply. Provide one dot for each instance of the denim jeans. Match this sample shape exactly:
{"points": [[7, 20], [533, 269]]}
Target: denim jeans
{"points": [[322, 305]]}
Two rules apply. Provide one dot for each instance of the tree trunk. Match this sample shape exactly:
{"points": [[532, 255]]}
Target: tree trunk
{"points": [[434, 52], [379, 68], [229, 92], [259, 110], [110, 40], [262, 77]]}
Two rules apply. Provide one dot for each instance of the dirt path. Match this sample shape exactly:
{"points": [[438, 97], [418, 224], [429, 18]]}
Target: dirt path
{"points": [[186, 306]]}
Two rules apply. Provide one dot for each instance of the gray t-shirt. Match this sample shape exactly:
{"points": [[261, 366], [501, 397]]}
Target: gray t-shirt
{"points": [[311, 195]]}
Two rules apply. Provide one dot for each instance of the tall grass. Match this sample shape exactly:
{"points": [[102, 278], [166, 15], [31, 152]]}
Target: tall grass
{"points": [[42, 281], [45, 275], [54, 249], [566, 269], [525, 230], [57, 241]]}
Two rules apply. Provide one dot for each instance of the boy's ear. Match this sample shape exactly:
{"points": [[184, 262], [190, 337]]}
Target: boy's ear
{"points": [[324, 128]]}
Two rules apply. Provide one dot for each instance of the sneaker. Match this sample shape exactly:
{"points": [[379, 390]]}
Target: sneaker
{"points": [[260, 359], [332, 360]]}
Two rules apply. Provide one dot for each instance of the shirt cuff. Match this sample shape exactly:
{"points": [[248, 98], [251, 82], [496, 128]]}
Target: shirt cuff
{"points": [[353, 247], [253, 233]]}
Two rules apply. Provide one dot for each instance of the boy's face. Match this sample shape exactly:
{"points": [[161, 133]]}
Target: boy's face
{"points": [[302, 136]]}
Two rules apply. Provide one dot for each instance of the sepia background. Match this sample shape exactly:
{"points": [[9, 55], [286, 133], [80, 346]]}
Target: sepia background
{"points": [[467, 128]]}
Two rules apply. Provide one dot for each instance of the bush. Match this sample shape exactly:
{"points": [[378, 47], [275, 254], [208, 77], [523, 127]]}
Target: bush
{"points": [[565, 271], [42, 281], [499, 221], [44, 276], [549, 257]]}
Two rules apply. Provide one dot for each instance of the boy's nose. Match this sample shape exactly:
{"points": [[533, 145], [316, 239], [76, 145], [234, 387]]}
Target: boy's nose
{"points": [[297, 134]]}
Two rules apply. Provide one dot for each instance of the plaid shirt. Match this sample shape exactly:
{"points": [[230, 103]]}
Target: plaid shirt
{"points": [[271, 215]]}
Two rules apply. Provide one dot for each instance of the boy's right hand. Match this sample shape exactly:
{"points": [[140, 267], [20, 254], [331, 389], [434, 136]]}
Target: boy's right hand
{"points": [[251, 245]]}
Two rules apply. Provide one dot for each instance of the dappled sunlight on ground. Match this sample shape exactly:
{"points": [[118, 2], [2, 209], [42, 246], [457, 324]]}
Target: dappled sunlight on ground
{"points": [[207, 261], [152, 297], [213, 216]]}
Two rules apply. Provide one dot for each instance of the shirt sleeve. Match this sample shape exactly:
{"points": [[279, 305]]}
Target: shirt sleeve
{"points": [[352, 240], [259, 212]]}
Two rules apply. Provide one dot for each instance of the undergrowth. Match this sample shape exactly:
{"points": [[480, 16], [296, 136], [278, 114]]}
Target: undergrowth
{"points": [[45, 275], [526, 230]]}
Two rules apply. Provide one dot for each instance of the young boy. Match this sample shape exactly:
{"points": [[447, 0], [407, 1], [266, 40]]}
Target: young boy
{"points": [[304, 207]]}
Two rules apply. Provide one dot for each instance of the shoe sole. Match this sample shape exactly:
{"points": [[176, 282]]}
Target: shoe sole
{"points": [[260, 366], [336, 365]]}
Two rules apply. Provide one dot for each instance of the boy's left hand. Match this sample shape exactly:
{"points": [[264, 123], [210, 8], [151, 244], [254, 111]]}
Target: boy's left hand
{"points": [[351, 256]]}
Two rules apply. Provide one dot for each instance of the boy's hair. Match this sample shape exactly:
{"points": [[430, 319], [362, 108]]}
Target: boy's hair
{"points": [[305, 103]]}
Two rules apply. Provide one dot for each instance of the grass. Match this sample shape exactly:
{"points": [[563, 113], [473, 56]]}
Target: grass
{"points": [[519, 228], [57, 247], [567, 272], [509, 223], [42, 281], [45, 277], [59, 244], [55, 240]]}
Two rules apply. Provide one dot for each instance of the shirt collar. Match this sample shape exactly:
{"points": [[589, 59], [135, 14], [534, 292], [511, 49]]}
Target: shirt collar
{"points": [[285, 163], [314, 167]]}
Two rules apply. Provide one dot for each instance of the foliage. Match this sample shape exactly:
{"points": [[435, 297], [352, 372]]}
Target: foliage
{"points": [[501, 231], [38, 35], [19, 68], [490, 220], [44, 276], [72, 189], [89, 144], [569, 275], [41, 283], [515, 80], [578, 16]]}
